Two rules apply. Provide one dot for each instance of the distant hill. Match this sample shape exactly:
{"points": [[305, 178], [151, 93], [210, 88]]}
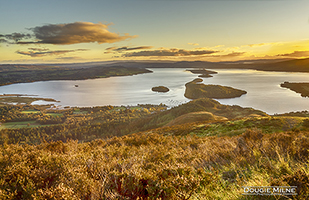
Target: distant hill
{"points": [[282, 65], [296, 65], [195, 117], [198, 105], [17, 68], [10, 74]]}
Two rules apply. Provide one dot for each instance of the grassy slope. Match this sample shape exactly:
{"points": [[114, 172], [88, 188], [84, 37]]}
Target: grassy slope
{"points": [[198, 105], [155, 166], [202, 160]]}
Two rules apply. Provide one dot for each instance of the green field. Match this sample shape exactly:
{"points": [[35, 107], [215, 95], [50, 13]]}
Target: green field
{"points": [[30, 111], [25, 124], [78, 112]]}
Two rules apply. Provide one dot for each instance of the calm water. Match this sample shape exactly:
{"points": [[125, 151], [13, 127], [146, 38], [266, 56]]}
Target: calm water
{"points": [[264, 91]]}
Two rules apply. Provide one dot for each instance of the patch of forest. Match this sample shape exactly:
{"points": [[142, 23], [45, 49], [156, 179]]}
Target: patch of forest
{"points": [[33, 124], [23, 74]]}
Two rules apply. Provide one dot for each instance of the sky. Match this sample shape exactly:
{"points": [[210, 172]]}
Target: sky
{"points": [[71, 31]]}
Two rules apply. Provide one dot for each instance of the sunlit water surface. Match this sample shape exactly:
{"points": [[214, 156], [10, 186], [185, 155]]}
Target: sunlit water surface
{"points": [[264, 91]]}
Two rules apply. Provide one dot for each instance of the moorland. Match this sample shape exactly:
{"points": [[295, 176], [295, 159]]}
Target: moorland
{"points": [[198, 150], [150, 152]]}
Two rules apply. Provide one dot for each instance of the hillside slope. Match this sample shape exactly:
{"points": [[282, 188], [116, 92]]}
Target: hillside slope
{"points": [[198, 105]]}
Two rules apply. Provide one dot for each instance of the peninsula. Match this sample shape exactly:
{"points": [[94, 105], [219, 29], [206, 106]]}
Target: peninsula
{"points": [[10, 74], [302, 88], [195, 90]]}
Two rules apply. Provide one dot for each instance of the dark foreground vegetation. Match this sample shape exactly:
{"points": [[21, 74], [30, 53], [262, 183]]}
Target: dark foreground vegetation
{"points": [[10, 74], [199, 150], [153, 166]]}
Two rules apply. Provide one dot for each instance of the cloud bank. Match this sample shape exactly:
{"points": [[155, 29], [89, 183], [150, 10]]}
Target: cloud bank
{"points": [[13, 38], [233, 54], [296, 54], [36, 52], [122, 49], [65, 34], [194, 44], [169, 52]]}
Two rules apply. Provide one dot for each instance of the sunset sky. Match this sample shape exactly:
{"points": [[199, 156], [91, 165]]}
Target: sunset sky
{"points": [[45, 31]]}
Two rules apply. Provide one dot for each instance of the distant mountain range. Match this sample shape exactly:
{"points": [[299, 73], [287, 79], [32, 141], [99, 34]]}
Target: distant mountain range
{"points": [[296, 65], [281, 65]]}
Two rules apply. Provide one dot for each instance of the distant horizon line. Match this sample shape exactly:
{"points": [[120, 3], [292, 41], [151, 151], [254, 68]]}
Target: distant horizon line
{"points": [[253, 61]]}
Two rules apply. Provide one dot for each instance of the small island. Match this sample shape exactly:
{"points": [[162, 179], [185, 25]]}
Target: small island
{"points": [[195, 89], [302, 88], [205, 76], [203, 72], [160, 89]]}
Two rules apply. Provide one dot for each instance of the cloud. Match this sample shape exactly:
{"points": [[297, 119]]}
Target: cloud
{"points": [[194, 44], [69, 58], [257, 45], [169, 52], [38, 49], [41, 52], [65, 34], [218, 46], [260, 44], [13, 38], [233, 54], [121, 49], [295, 54]]}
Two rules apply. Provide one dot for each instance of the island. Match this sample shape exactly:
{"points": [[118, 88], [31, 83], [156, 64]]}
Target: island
{"points": [[205, 76], [203, 72], [302, 88], [195, 90], [160, 89]]}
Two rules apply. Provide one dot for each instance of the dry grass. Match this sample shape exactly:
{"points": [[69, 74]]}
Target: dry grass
{"points": [[153, 166]]}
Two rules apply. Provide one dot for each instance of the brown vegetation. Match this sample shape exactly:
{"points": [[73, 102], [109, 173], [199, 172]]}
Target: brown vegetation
{"points": [[186, 161], [152, 166], [195, 117]]}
